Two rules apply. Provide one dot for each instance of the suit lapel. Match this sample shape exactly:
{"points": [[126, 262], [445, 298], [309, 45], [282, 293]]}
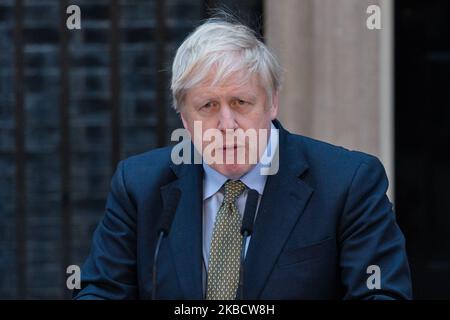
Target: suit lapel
{"points": [[284, 200], [185, 236]]}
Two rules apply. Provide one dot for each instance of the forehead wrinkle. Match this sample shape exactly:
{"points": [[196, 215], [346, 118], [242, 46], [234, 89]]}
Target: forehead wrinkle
{"points": [[234, 80], [223, 92]]}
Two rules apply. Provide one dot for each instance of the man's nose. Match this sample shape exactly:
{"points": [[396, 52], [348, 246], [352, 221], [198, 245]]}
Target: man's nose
{"points": [[227, 118]]}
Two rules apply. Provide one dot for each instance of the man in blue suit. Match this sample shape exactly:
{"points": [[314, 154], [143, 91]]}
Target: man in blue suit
{"points": [[324, 227]]}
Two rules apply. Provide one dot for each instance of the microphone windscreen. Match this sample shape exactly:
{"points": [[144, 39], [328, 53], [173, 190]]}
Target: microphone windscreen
{"points": [[250, 211], [170, 207]]}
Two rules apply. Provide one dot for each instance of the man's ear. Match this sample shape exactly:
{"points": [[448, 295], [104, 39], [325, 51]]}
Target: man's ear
{"points": [[183, 120], [274, 106], [185, 123]]}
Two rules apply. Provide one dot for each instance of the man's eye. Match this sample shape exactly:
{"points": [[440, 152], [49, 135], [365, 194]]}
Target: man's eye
{"points": [[208, 105], [240, 102]]}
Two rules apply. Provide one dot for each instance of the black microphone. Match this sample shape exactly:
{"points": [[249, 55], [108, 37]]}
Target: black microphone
{"points": [[246, 230], [163, 231]]}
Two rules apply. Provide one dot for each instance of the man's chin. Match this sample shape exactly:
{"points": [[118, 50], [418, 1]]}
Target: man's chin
{"points": [[232, 171]]}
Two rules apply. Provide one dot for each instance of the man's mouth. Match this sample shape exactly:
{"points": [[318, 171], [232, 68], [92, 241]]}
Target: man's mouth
{"points": [[234, 147]]}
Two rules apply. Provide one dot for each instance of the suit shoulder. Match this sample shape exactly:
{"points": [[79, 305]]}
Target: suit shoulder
{"points": [[153, 164], [158, 157], [333, 156]]}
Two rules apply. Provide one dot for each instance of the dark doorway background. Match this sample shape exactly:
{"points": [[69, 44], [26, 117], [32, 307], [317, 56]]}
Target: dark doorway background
{"points": [[422, 141], [72, 104]]}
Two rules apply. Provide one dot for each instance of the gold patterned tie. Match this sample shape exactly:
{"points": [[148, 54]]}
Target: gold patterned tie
{"points": [[224, 256]]}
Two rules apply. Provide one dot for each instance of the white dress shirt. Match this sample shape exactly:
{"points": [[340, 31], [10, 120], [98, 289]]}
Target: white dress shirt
{"points": [[213, 193]]}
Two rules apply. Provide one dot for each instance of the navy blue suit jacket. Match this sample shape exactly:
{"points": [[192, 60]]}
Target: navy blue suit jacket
{"points": [[323, 219]]}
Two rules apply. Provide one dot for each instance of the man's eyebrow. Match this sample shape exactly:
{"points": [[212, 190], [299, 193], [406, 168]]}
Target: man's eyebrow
{"points": [[203, 99], [245, 95]]}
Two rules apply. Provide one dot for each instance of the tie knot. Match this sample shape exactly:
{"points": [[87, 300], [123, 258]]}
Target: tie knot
{"points": [[233, 189]]}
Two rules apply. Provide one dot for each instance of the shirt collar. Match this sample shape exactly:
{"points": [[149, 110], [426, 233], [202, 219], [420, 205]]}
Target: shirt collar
{"points": [[213, 180]]}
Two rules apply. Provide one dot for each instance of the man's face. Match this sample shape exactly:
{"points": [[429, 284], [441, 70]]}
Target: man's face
{"points": [[228, 106]]}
